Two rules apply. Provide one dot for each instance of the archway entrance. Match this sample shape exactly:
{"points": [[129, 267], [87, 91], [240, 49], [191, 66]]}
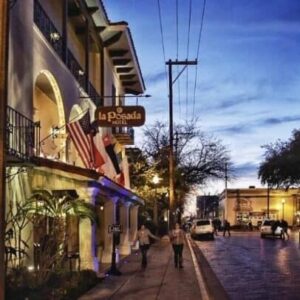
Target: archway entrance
{"points": [[49, 111]]}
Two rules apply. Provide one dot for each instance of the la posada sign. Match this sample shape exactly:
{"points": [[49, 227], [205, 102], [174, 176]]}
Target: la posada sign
{"points": [[120, 116]]}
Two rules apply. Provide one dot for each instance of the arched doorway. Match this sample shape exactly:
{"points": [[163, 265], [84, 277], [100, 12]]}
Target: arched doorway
{"points": [[49, 111]]}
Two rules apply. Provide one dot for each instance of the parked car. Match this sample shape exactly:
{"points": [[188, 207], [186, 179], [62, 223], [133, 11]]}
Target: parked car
{"points": [[266, 229], [202, 227]]}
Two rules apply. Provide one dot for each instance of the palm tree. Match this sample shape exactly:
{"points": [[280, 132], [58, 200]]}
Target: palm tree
{"points": [[54, 209]]}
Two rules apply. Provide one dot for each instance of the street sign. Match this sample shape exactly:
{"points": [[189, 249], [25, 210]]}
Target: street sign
{"points": [[114, 228], [120, 116]]}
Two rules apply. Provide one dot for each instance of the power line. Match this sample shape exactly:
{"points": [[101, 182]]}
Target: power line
{"points": [[187, 56], [162, 37], [177, 50], [198, 49]]}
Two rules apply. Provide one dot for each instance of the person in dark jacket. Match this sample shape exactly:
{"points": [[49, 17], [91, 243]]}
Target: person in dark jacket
{"points": [[226, 228], [177, 239], [285, 226]]}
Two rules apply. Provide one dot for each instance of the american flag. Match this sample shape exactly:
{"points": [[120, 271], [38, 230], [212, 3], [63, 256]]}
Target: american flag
{"points": [[80, 133]]}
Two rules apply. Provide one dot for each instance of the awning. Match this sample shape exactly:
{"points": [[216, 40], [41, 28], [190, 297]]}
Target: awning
{"points": [[93, 179]]}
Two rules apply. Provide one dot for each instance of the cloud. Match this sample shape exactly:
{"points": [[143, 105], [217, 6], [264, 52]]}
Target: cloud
{"points": [[276, 121], [157, 77], [248, 127], [235, 129], [245, 169]]}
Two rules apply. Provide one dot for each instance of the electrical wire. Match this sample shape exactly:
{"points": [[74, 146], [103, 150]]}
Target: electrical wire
{"points": [[187, 56], [162, 39], [177, 51], [198, 50]]}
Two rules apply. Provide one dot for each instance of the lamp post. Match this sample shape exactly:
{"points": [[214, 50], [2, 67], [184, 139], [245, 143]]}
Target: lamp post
{"points": [[283, 202], [155, 181]]}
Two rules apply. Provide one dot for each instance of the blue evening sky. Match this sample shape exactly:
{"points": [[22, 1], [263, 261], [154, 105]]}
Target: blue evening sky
{"points": [[248, 74]]}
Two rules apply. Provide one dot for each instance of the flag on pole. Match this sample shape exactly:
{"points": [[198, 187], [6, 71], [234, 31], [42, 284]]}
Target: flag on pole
{"points": [[82, 136], [119, 154], [107, 141]]}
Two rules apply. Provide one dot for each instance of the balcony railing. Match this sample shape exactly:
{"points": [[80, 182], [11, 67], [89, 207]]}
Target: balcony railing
{"points": [[75, 68], [124, 135], [22, 136], [55, 39], [48, 29]]}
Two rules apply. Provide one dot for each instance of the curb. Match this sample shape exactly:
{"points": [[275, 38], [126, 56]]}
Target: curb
{"points": [[213, 286]]}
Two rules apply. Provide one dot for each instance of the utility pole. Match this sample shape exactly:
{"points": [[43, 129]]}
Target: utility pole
{"points": [[170, 63], [3, 103], [226, 194]]}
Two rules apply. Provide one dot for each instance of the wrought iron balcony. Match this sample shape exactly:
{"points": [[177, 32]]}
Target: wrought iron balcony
{"points": [[22, 137], [75, 68], [56, 40], [48, 29], [124, 135]]}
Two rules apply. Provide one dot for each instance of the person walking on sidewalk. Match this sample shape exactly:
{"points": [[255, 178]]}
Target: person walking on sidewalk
{"points": [[226, 228], [143, 237], [177, 239]]}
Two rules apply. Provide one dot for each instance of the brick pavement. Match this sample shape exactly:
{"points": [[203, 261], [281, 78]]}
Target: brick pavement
{"points": [[249, 267], [161, 280]]}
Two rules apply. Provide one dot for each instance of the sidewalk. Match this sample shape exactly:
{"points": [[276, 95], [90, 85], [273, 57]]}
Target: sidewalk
{"points": [[161, 280]]}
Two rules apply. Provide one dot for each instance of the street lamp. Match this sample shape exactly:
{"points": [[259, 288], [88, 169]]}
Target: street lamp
{"points": [[283, 202], [155, 181]]}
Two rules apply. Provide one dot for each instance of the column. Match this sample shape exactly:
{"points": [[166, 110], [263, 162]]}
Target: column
{"points": [[109, 219], [133, 222], [125, 247], [87, 237]]}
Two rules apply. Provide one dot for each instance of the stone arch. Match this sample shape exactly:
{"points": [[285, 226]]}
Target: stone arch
{"points": [[49, 111]]}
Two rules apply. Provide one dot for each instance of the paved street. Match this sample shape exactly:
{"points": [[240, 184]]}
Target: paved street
{"points": [[249, 267]]}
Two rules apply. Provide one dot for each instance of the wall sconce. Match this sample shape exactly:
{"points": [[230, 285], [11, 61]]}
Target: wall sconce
{"points": [[101, 207], [54, 36], [54, 132]]}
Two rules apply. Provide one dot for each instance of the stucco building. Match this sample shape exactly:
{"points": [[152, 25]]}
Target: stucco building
{"points": [[239, 206], [67, 58]]}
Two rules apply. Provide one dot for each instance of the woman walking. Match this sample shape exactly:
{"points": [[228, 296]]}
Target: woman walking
{"points": [[177, 239], [143, 237]]}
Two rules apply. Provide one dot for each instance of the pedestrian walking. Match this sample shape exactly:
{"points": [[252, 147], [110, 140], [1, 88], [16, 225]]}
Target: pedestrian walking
{"points": [[177, 240], [285, 227], [215, 225], [226, 227], [144, 242], [250, 225]]}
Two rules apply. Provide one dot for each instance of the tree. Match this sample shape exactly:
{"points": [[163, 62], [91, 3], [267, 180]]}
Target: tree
{"points": [[54, 209], [281, 165], [198, 157]]}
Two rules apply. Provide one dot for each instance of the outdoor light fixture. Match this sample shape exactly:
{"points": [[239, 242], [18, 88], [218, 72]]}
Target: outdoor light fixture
{"points": [[101, 207], [54, 36], [30, 268], [54, 132], [80, 72]]}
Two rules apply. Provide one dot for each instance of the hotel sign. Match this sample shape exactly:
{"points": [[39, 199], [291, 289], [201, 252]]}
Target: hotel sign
{"points": [[120, 116]]}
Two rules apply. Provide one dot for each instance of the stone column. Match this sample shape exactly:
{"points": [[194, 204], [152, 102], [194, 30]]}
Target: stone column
{"points": [[133, 222], [109, 219], [125, 247], [87, 237]]}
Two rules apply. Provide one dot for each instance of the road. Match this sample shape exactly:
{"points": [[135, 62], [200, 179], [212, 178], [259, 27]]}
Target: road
{"points": [[249, 267]]}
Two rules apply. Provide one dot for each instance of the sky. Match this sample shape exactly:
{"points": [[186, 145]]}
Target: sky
{"points": [[248, 73]]}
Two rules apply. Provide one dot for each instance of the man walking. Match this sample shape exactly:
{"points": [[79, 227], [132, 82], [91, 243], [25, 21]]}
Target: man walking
{"points": [[226, 228]]}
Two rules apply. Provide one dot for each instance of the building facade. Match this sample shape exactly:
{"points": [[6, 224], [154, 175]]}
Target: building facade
{"points": [[65, 60], [240, 206]]}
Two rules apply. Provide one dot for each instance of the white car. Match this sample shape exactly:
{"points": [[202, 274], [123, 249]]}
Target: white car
{"points": [[266, 229], [202, 227]]}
